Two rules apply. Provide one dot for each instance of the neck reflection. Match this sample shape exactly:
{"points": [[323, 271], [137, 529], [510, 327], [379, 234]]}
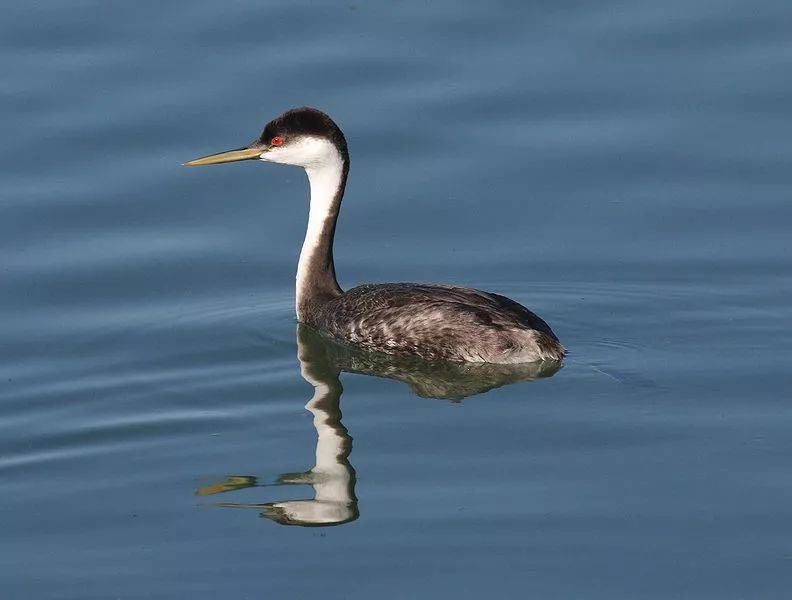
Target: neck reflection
{"points": [[332, 477]]}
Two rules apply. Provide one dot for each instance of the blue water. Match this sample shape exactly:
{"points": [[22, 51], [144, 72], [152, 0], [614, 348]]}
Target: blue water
{"points": [[622, 168]]}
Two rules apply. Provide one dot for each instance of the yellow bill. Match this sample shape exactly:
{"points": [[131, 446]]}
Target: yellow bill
{"points": [[224, 157]]}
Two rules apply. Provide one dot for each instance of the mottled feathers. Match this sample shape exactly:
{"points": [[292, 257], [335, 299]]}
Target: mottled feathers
{"points": [[438, 322]]}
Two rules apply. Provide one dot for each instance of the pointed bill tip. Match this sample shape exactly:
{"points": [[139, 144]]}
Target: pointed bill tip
{"points": [[224, 157]]}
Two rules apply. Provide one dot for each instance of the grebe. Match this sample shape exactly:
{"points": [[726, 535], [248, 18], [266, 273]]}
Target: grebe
{"points": [[433, 322]]}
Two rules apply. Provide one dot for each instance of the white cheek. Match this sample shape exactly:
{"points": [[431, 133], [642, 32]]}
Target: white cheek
{"points": [[275, 155], [305, 152]]}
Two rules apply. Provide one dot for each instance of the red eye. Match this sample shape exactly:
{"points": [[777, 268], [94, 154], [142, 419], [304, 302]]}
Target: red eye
{"points": [[276, 141]]}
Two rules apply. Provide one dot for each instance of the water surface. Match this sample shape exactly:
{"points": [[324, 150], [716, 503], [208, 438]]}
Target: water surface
{"points": [[620, 168]]}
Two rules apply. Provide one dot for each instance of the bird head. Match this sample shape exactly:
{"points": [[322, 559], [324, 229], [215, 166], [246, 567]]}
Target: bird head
{"points": [[304, 137]]}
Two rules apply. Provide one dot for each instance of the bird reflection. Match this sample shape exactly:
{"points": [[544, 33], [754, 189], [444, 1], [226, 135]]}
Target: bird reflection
{"points": [[322, 360]]}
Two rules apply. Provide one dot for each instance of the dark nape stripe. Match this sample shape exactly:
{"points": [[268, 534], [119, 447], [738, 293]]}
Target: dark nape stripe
{"points": [[321, 284]]}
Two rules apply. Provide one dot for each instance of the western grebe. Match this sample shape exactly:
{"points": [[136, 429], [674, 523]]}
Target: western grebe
{"points": [[433, 322]]}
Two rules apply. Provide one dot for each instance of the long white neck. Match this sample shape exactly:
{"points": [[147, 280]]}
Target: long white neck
{"points": [[316, 279]]}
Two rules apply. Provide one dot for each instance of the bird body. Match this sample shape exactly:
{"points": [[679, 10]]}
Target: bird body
{"points": [[434, 322], [437, 322]]}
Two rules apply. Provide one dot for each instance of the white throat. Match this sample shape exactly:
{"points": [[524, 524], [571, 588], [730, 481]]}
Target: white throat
{"points": [[325, 172]]}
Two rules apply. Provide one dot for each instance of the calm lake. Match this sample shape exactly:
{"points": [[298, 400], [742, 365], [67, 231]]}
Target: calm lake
{"points": [[622, 168]]}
